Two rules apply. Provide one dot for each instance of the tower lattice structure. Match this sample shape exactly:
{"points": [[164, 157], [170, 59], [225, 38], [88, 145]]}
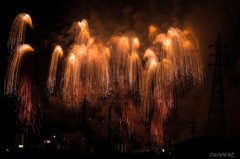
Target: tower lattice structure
{"points": [[216, 115]]}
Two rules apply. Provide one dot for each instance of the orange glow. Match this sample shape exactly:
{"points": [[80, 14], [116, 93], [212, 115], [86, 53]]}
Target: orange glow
{"points": [[187, 31], [123, 44], [135, 43], [187, 44], [59, 50], [167, 43], [81, 50], [149, 54], [28, 20], [152, 31], [72, 58]]}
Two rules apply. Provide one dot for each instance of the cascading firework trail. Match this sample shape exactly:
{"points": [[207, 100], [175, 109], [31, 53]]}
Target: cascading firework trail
{"points": [[135, 68], [13, 71], [97, 71], [154, 78], [86, 67], [69, 87], [18, 29], [82, 34], [119, 59], [56, 55], [126, 62], [17, 49], [184, 55], [28, 106], [130, 119], [172, 64]]}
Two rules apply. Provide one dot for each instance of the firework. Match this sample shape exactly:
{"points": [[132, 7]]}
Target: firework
{"points": [[183, 54], [13, 71], [87, 67], [120, 53], [69, 90], [131, 118], [82, 34], [125, 61], [176, 61], [135, 68], [17, 32], [152, 32], [97, 74], [173, 63], [27, 107], [57, 53], [159, 75]]}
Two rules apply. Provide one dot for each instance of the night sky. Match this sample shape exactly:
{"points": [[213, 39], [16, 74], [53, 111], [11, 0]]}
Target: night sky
{"points": [[54, 24]]}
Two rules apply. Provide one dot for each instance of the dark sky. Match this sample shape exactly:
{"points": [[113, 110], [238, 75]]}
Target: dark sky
{"points": [[53, 24]]}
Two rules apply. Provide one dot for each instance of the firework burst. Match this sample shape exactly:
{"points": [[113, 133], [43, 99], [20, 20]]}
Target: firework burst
{"points": [[18, 29], [91, 69], [27, 105], [173, 63], [86, 67], [56, 55], [13, 71]]}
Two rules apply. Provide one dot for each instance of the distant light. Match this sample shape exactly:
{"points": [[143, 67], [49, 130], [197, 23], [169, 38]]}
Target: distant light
{"points": [[47, 141], [170, 153], [20, 146], [163, 150], [54, 136]]}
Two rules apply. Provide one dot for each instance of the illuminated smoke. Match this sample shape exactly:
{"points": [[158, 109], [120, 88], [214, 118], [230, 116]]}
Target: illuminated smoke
{"points": [[152, 32], [17, 32], [56, 55]]}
